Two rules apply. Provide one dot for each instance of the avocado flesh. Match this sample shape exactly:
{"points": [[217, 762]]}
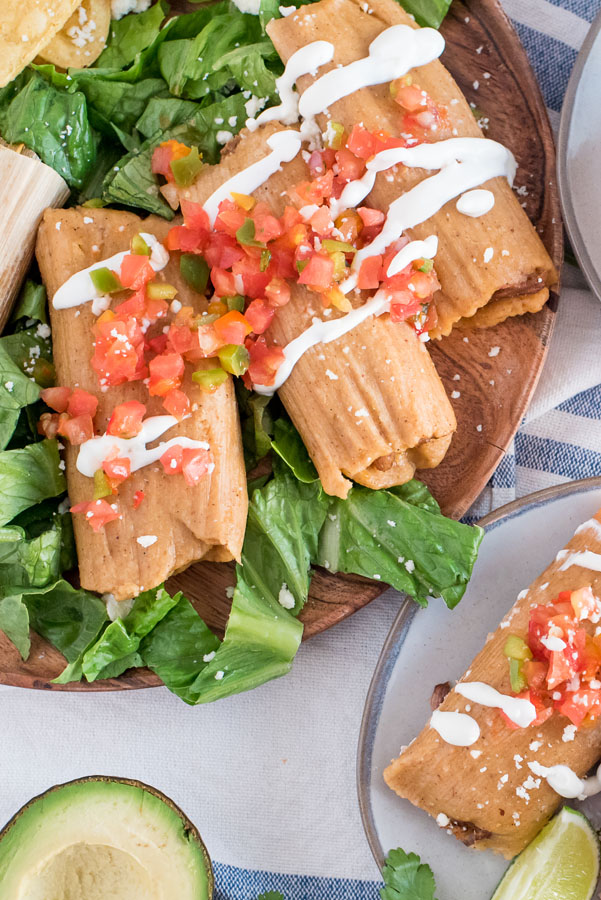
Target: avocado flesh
{"points": [[101, 839]]}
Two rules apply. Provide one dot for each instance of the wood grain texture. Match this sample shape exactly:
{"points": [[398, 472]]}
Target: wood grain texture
{"points": [[494, 390]]}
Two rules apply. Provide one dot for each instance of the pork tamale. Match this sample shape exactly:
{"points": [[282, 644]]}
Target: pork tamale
{"points": [[494, 791], [370, 405], [490, 266], [176, 523]]}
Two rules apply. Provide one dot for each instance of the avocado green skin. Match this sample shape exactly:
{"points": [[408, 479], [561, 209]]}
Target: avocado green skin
{"points": [[19, 827]]}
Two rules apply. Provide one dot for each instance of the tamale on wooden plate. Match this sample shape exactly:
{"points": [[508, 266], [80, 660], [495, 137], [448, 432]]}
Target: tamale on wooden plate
{"points": [[489, 374]]}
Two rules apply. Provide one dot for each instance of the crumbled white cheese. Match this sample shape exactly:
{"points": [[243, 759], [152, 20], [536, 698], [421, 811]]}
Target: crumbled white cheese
{"points": [[442, 820], [286, 597], [249, 6], [219, 675], [120, 8], [494, 351], [224, 136], [568, 733], [208, 656], [147, 540]]}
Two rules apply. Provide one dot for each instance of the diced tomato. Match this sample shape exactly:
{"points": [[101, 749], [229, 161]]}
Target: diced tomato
{"points": [[195, 216], [181, 339], [126, 420], [158, 344], [136, 271], [161, 159], [165, 373], [350, 167], [207, 340], [350, 225], [265, 360], [321, 221], [403, 305], [56, 398], [223, 282], [172, 459], [82, 403], [77, 430], [535, 673], [196, 463], [585, 604], [259, 315], [118, 351], [370, 273], [230, 218], [267, 227], [290, 218], [177, 404], [117, 469], [222, 251], [361, 142], [370, 217], [97, 512], [409, 96], [543, 712], [232, 328], [538, 627], [277, 292], [190, 240], [138, 497], [317, 190], [580, 704], [560, 669], [318, 272]]}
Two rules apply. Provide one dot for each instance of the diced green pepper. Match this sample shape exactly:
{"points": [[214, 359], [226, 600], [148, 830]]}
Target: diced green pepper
{"points": [[105, 280], [331, 246], [516, 648], [234, 358], [426, 266], [209, 379], [139, 246], [246, 234], [158, 290], [300, 265], [236, 302], [187, 168], [516, 676], [195, 271], [102, 487], [265, 259]]}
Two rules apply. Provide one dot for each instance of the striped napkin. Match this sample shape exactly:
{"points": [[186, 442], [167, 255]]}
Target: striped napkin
{"points": [[269, 777]]}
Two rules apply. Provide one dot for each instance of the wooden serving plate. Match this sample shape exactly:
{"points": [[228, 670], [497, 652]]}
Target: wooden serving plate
{"points": [[494, 390]]}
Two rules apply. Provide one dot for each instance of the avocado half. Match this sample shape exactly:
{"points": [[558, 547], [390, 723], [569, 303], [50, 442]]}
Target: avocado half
{"points": [[98, 838]]}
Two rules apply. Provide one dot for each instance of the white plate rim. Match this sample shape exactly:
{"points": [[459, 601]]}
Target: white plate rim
{"points": [[591, 272], [394, 642]]}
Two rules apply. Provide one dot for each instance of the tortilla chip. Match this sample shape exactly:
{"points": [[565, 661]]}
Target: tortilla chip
{"points": [[25, 27], [82, 38]]}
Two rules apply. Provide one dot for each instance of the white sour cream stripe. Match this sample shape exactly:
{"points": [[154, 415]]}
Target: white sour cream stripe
{"points": [[475, 203], [93, 452], [566, 783], [79, 288], [284, 146], [521, 711], [455, 728], [586, 559], [410, 252], [392, 54], [463, 164], [305, 61]]}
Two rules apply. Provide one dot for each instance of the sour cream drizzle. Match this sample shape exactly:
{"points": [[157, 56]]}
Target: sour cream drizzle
{"points": [[521, 711], [455, 728], [566, 783], [590, 525], [284, 146], [79, 288], [464, 163], [475, 203], [410, 252], [586, 559], [392, 54], [321, 332], [305, 61], [93, 452]]}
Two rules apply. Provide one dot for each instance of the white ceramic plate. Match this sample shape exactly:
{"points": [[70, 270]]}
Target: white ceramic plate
{"points": [[579, 158], [429, 646]]}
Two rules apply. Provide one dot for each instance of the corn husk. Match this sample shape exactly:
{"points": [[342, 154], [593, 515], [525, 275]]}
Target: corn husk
{"points": [[27, 187], [520, 268], [489, 800], [206, 521], [369, 406]]}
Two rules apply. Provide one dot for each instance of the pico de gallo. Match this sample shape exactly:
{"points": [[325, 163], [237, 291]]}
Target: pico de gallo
{"points": [[558, 665]]}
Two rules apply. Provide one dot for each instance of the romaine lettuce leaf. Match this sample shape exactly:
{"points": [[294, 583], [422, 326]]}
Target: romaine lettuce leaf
{"points": [[31, 303], [289, 446], [119, 103], [30, 561], [28, 476], [130, 35], [427, 12], [14, 622], [381, 535]]}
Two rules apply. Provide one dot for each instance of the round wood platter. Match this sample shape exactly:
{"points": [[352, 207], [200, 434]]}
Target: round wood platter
{"points": [[486, 58]]}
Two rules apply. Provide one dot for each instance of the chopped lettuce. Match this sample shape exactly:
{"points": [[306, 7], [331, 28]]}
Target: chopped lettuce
{"points": [[131, 35], [27, 476], [14, 622], [288, 444], [427, 12], [31, 304]]}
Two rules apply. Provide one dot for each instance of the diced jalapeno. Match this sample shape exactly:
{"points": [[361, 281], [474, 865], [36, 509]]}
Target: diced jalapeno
{"points": [[246, 234], [331, 246], [195, 271], [209, 379], [105, 280], [102, 487], [139, 246], [186, 168], [236, 302], [234, 358], [516, 648], [516, 676], [158, 290], [426, 265]]}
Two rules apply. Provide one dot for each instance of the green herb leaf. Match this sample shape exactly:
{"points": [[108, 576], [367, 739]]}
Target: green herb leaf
{"points": [[407, 878], [418, 551], [28, 476]]}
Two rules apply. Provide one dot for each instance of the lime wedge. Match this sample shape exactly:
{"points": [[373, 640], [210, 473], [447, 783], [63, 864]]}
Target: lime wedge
{"points": [[562, 863]]}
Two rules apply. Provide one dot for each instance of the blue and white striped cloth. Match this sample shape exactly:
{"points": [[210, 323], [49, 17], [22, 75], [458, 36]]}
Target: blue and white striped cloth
{"points": [[269, 777]]}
